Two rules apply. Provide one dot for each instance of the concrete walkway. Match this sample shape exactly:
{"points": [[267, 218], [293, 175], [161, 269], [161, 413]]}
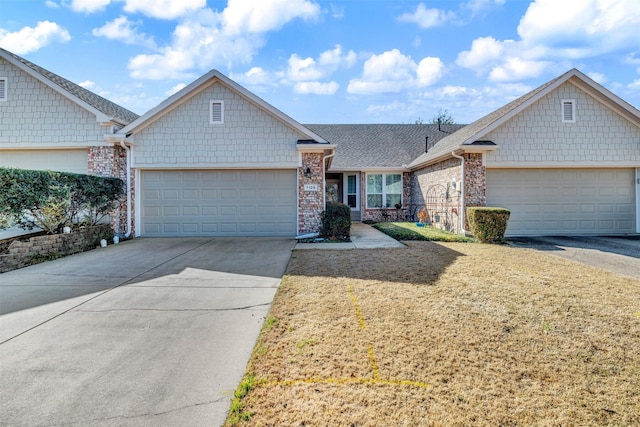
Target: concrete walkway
{"points": [[363, 236]]}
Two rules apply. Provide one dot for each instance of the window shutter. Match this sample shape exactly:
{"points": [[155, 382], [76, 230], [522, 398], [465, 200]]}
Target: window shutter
{"points": [[3, 89], [216, 112], [568, 111]]}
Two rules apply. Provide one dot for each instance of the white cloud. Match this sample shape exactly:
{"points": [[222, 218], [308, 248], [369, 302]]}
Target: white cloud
{"points": [[478, 6], [256, 76], [303, 69], [484, 51], [260, 16], [29, 39], [124, 30], [51, 4], [164, 9], [89, 6], [316, 88], [556, 32], [598, 77], [175, 89], [87, 84], [514, 69], [393, 71], [209, 38], [427, 18]]}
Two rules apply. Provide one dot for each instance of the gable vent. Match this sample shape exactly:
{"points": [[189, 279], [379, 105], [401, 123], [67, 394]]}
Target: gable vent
{"points": [[216, 113], [568, 111], [3, 89]]}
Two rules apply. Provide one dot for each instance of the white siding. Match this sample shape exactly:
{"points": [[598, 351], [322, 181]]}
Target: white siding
{"points": [[37, 115], [538, 137], [184, 137]]}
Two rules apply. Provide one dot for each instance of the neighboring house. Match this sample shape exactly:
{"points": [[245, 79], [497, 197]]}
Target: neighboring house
{"points": [[216, 160], [48, 122], [564, 158]]}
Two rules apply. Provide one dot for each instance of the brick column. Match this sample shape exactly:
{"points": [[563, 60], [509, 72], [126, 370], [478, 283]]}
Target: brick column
{"points": [[310, 203], [475, 180], [111, 162]]}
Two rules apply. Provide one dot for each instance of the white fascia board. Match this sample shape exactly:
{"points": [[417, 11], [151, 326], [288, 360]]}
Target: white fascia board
{"points": [[563, 165], [51, 146], [315, 148], [214, 166]]}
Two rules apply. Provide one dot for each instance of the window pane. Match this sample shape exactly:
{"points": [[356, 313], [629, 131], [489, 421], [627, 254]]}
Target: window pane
{"points": [[351, 184], [374, 184], [351, 200], [393, 184], [374, 200], [392, 200]]}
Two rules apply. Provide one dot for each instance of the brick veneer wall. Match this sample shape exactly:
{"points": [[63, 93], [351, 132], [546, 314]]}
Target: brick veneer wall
{"points": [[112, 162], [310, 203], [443, 174], [40, 248], [437, 179]]}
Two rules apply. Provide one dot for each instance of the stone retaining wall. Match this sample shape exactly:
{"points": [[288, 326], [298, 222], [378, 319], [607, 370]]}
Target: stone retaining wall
{"points": [[33, 250]]}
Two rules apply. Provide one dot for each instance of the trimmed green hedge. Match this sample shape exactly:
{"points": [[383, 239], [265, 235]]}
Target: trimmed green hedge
{"points": [[52, 200], [488, 224], [336, 222]]}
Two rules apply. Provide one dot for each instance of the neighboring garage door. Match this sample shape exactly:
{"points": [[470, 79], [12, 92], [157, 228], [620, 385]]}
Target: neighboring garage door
{"points": [[218, 203], [564, 201], [57, 160]]}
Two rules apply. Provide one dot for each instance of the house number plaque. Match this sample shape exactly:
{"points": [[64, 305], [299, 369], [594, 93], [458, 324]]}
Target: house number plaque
{"points": [[311, 187]]}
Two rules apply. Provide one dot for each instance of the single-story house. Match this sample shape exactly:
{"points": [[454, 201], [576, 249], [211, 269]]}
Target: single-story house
{"points": [[214, 159]]}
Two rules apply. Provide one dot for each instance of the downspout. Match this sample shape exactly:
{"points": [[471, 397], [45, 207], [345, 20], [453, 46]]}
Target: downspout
{"points": [[128, 178], [462, 191], [324, 190]]}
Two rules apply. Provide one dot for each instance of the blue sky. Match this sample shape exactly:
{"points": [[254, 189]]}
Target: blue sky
{"points": [[344, 61]]}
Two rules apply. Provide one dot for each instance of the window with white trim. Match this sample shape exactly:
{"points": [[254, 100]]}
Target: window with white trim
{"points": [[568, 111], [216, 112], [384, 190], [3, 89], [352, 191]]}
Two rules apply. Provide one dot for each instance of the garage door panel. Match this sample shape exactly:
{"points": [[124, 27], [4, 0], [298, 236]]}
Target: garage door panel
{"points": [[225, 203], [576, 201]]}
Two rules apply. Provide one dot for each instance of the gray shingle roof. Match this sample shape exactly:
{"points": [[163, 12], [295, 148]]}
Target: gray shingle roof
{"points": [[456, 140], [110, 109], [379, 145]]}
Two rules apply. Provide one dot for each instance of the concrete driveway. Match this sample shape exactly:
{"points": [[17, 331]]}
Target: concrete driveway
{"points": [[147, 332], [620, 254]]}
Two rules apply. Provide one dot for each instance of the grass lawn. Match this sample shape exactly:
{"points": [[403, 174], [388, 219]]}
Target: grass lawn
{"points": [[445, 334], [410, 231]]}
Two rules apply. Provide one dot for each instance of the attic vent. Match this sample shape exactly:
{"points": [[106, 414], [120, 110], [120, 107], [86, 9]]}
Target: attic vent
{"points": [[568, 111], [3, 89], [216, 112]]}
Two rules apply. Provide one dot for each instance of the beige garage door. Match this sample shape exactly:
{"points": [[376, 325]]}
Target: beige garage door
{"points": [[57, 160], [218, 203], [564, 201]]}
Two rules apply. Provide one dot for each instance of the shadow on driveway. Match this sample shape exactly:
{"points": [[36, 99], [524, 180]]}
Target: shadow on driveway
{"points": [[620, 254]]}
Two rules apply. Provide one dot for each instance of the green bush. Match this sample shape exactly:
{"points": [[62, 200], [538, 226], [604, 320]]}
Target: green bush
{"points": [[51, 200], [336, 222], [488, 224]]}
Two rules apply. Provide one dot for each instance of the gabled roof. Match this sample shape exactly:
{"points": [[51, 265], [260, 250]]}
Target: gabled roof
{"points": [[370, 146], [105, 110], [481, 127], [187, 92]]}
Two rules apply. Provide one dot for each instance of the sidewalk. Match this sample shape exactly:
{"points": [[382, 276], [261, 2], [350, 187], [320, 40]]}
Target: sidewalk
{"points": [[363, 236]]}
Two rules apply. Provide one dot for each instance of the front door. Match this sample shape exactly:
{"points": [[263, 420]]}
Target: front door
{"points": [[333, 192]]}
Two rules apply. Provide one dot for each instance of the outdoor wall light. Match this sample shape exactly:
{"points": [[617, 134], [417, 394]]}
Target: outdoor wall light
{"points": [[307, 172]]}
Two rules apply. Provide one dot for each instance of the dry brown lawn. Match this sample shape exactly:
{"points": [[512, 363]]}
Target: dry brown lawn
{"points": [[447, 334]]}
